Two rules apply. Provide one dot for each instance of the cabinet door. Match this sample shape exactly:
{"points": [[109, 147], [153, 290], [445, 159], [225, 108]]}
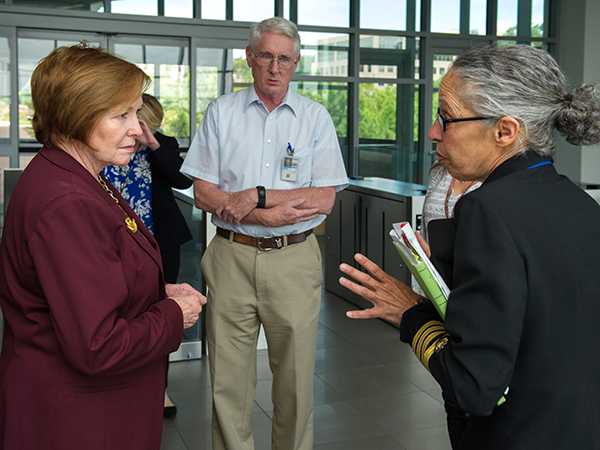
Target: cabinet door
{"points": [[342, 238], [378, 215]]}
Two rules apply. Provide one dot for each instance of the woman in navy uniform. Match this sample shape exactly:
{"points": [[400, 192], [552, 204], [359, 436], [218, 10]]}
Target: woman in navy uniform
{"points": [[522, 315]]}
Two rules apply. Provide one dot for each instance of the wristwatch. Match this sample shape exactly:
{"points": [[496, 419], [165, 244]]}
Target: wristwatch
{"points": [[262, 196]]}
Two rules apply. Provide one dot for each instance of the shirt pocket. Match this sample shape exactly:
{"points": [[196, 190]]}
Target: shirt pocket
{"points": [[303, 157]]}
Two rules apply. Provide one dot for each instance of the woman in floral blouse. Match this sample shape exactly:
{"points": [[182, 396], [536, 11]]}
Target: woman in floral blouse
{"points": [[147, 182]]}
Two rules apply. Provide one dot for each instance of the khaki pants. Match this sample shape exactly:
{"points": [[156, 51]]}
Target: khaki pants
{"points": [[282, 290]]}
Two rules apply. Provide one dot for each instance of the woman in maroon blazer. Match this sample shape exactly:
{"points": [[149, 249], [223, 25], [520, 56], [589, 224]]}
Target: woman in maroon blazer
{"points": [[89, 320]]}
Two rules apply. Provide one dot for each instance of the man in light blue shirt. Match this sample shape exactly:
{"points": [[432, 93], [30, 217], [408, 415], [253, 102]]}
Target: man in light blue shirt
{"points": [[267, 165]]}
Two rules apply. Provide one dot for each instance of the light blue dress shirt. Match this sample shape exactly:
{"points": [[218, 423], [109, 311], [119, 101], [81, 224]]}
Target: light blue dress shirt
{"points": [[241, 145]]}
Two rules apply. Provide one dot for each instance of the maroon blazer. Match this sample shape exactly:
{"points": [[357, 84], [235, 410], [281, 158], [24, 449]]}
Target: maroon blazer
{"points": [[87, 322]]}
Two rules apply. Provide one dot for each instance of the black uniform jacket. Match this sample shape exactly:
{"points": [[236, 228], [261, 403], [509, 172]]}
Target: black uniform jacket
{"points": [[523, 312], [170, 227]]}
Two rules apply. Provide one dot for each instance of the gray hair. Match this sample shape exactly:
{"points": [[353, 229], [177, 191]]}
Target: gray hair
{"points": [[277, 25], [526, 83]]}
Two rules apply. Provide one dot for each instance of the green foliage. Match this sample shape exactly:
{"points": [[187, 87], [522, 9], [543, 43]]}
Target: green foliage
{"points": [[335, 100], [177, 117], [377, 111]]}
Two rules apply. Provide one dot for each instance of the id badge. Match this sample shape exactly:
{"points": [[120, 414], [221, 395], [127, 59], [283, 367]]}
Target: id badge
{"points": [[289, 169]]}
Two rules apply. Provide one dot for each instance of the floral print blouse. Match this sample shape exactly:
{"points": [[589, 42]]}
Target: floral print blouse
{"points": [[134, 182]]}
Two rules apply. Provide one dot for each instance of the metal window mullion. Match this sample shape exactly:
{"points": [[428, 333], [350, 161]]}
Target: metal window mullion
{"points": [[524, 20], [161, 7], [197, 5], [294, 11], [194, 44], [465, 17], [13, 132], [353, 90], [228, 9], [279, 12], [492, 18], [411, 11], [425, 16], [548, 25], [107, 6]]}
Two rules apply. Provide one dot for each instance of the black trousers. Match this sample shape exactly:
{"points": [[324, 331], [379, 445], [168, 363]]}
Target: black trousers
{"points": [[457, 421], [171, 258]]}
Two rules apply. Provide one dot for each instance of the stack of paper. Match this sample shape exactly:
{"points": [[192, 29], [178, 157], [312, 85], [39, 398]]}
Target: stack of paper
{"points": [[415, 259]]}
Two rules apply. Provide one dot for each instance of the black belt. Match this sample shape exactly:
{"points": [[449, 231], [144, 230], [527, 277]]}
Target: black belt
{"points": [[266, 243]]}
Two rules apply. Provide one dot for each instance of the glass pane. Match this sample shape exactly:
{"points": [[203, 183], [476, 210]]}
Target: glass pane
{"points": [[168, 68], [537, 18], [242, 75], [286, 9], [383, 14], [388, 130], [141, 7], [4, 89], [445, 16], [334, 96], [179, 8], [95, 6], [335, 13], [213, 72], [30, 53], [253, 11], [478, 17], [324, 54], [507, 17], [441, 64], [389, 57], [213, 9], [418, 15]]}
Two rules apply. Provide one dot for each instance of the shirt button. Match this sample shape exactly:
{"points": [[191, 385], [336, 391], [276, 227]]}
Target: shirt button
{"points": [[268, 141], [267, 165]]}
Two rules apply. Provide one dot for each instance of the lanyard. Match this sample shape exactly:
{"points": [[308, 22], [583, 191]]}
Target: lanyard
{"points": [[543, 163]]}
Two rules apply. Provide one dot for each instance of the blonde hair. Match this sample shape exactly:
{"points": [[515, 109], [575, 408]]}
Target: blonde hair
{"points": [[151, 112], [73, 87]]}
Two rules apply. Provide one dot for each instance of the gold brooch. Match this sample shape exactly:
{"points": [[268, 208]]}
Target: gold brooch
{"points": [[131, 224]]}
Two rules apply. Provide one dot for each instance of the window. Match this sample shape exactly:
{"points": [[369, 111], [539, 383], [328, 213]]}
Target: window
{"points": [[179, 8], [213, 9], [507, 17], [253, 11], [478, 13], [383, 14], [333, 13], [4, 88], [213, 67], [141, 7], [168, 67], [323, 54], [445, 16]]}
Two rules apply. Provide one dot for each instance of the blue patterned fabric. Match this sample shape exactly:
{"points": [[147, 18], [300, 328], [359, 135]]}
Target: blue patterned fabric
{"points": [[134, 182]]}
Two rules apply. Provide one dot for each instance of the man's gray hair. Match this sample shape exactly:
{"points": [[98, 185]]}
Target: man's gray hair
{"points": [[526, 83], [277, 25]]}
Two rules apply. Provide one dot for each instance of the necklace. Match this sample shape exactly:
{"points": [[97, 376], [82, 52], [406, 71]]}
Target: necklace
{"points": [[449, 194], [131, 223]]}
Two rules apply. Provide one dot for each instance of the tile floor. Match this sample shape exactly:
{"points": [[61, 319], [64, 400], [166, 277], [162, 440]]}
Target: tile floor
{"points": [[371, 393]]}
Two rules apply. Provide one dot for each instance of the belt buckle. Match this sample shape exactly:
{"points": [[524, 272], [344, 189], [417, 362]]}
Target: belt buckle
{"points": [[277, 240]]}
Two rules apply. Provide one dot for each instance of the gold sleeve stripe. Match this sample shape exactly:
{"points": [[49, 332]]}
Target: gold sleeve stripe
{"points": [[424, 329], [440, 344], [432, 325], [424, 341], [430, 338]]}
